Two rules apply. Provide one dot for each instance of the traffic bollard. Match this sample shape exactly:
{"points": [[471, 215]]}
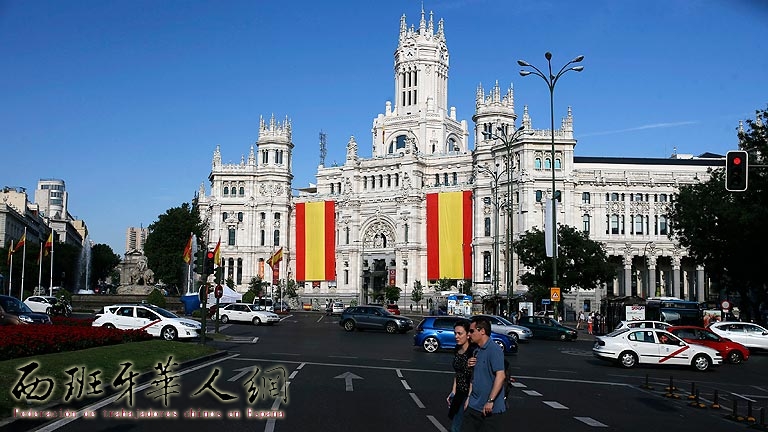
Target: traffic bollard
{"points": [[750, 417], [692, 396], [715, 401]]}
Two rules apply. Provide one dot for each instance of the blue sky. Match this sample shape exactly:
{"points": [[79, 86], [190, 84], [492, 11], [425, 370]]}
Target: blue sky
{"points": [[127, 100]]}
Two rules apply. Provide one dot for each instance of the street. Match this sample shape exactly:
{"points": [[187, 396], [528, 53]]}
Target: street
{"points": [[307, 373]]}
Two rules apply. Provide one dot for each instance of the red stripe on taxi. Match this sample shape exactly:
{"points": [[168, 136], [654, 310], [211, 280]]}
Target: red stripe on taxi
{"points": [[150, 324], [673, 354]]}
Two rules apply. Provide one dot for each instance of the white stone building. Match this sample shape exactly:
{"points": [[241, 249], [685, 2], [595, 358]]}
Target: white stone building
{"points": [[419, 147]]}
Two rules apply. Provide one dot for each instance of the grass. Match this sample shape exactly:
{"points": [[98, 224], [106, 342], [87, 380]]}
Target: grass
{"points": [[106, 359]]}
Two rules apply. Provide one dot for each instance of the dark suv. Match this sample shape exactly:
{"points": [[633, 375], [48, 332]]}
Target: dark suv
{"points": [[13, 311], [373, 317], [436, 332]]}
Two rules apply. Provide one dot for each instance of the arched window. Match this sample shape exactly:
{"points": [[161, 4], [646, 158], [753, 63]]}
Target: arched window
{"points": [[276, 239], [239, 271], [231, 237], [242, 191], [406, 233], [663, 229], [224, 216], [537, 163], [487, 225], [452, 146], [539, 196], [263, 235], [614, 196], [558, 164], [239, 216], [585, 220], [231, 268], [614, 224], [226, 190], [547, 164], [638, 224]]}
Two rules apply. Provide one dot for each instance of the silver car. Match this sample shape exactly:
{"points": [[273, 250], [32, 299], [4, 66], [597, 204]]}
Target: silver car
{"points": [[499, 324]]}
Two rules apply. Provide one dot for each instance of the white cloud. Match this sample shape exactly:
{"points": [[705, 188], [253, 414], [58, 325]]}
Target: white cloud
{"points": [[643, 127]]}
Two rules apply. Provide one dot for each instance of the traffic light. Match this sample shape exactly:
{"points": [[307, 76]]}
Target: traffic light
{"points": [[197, 264], [209, 262], [736, 170]]}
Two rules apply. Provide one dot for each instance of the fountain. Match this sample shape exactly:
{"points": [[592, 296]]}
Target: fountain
{"points": [[84, 269]]}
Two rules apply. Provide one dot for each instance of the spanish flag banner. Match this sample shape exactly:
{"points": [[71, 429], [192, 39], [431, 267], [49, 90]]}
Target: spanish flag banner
{"points": [[217, 254], [48, 244], [315, 241], [276, 258], [188, 250], [21, 242], [449, 235]]}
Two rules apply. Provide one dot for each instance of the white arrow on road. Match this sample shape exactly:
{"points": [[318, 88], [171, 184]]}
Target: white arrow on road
{"points": [[241, 372], [348, 377]]}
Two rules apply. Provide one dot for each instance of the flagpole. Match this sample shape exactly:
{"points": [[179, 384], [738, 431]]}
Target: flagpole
{"points": [[50, 285], [10, 269], [39, 269], [23, 264]]}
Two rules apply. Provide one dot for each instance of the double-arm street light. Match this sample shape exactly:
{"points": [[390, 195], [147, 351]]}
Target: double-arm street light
{"points": [[551, 80], [508, 141], [495, 175]]}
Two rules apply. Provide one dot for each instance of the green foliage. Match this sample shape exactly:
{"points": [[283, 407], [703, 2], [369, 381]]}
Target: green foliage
{"points": [[197, 313], [248, 296], [156, 298], [230, 283], [418, 292], [258, 286], [726, 231], [103, 262], [582, 262], [392, 293], [166, 241], [467, 288]]}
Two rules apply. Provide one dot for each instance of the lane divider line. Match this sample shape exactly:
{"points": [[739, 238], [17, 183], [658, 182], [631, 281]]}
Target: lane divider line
{"points": [[417, 400], [437, 424]]}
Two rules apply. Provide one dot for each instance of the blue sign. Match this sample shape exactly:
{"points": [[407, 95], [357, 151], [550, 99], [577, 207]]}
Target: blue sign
{"points": [[545, 301]]}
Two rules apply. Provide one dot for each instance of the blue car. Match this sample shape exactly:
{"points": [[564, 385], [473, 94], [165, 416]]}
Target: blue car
{"points": [[436, 332]]}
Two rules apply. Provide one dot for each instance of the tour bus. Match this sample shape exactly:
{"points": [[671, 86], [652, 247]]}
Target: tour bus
{"points": [[673, 310]]}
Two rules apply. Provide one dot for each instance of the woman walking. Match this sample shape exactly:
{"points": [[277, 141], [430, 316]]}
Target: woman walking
{"points": [[462, 378]]}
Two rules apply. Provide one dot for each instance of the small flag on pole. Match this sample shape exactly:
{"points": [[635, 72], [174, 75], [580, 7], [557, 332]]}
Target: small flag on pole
{"points": [[275, 259], [217, 253], [48, 244], [188, 250], [21, 242]]}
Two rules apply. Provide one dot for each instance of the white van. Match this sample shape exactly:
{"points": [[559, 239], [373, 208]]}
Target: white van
{"points": [[264, 303]]}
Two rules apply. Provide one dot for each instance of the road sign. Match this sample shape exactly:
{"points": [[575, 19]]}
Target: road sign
{"points": [[545, 301], [554, 294], [725, 305], [219, 291]]}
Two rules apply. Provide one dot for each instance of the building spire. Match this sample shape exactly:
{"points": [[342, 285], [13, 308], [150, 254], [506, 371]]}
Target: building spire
{"points": [[423, 22]]}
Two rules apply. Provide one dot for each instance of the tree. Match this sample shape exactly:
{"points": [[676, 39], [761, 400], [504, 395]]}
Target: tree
{"points": [[418, 292], [257, 285], [726, 231], [103, 262], [392, 293], [286, 289], [166, 241], [582, 262]]}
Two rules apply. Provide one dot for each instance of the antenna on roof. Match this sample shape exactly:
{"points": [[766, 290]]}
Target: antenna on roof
{"points": [[323, 148]]}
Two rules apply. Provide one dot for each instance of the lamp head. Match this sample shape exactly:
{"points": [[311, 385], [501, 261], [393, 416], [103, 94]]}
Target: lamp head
{"points": [[548, 55], [524, 73], [522, 63], [578, 68], [578, 59]]}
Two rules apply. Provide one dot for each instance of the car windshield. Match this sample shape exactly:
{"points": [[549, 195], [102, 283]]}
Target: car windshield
{"points": [[14, 306], [503, 320], [254, 307], [164, 313], [618, 332]]}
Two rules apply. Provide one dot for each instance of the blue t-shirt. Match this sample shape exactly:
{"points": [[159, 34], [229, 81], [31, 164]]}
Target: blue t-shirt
{"points": [[490, 358]]}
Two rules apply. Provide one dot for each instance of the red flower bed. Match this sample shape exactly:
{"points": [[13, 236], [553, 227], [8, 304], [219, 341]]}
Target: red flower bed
{"points": [[76, 322], [28, 340]]}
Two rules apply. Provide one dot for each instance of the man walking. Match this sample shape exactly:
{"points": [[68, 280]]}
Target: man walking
{"points": [[485, 403]]}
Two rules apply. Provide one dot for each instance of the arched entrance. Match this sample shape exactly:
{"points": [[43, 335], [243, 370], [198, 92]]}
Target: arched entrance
{"points": [[378, 256]]}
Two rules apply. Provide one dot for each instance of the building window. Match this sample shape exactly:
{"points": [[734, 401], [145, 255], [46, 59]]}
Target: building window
{"points": [[662, 197], [406, 233], [262, 216], [614, 224], [276, 238], [614, 196], [437, 179], [231, 268], [224, 216], [231, 236], [586, 198], [405, 276], [263, 235], [242, 191], [365, 182], [381, 181], [397, 180], [486, 266], [537, 163], [239, 271], [663, 229], [226, 190], [487, 227], [389, 180], [559, 196], [547, 164], [346, 235], [239, 216], [333, 188], [557, 164], [373, 182], [638, 224], [539, 195], [264, 157], [445, 179], [455, 178], [277, 216], [346, 277], [585, 219]]}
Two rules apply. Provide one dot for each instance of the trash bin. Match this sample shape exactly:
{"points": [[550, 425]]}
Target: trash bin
{"points": [[191, 303]]}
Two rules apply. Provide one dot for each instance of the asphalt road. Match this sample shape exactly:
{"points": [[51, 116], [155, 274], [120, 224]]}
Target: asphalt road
{"points": [[307, 373]]}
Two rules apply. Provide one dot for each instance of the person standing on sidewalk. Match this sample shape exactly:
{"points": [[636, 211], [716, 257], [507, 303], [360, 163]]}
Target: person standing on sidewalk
{"points": [[462, 378], [485, 403]]}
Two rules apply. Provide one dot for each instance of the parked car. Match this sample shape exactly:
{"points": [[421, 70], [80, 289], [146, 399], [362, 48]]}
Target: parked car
{"points": [[733, 352], [632, 346], [748, 334], [154, 320], [393, 309], [281, 306], [247, 312], [13, 311], [337, 308], [49, 305], [499, 324], [212, 309], [373, 317], [436, 332], [661, 325], [264, 303], [547, 328]]}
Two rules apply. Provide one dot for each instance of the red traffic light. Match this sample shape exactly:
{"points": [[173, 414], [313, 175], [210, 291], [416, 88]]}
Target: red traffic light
{"points": [[737, 160], [210, 255]]}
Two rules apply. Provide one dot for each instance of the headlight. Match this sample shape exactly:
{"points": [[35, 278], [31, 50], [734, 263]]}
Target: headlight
{"points": [[190, 325], [25, 318]]}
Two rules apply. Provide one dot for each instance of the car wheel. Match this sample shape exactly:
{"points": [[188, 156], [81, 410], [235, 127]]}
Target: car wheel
{"points": [[628, 359], [109, 325], [391, 327], [431, 344], [735, 357], [501, 345], [563, 336], [224, 319], [169, 333], [349, 325], [701, 362], [256, 321], [514, 337]]}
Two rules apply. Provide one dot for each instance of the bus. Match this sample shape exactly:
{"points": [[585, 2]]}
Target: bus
{"points": [[673, 310]]}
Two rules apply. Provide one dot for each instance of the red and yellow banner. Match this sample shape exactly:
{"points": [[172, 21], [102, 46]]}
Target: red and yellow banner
{"points": [[449, 235], [315, 241]]}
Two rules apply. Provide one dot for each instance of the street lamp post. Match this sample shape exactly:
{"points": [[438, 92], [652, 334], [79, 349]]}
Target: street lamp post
{"points": [[495, 177], [551, 81], [508, 141]]}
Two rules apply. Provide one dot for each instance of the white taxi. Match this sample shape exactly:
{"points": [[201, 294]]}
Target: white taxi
{"points": [[247, 312], [152, 319], [632, 346]]}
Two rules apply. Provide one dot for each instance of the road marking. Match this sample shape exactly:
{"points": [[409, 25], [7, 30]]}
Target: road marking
{"points": [[399, 374], [50, 427], [396, 360], [405, 384], [589, 421], [286, 317], [743, 397], [240, 373], [293, 374], [338, 356], [437, 423], [348, 377], [416, 399], [242, 339], [270, 425], [256, 339], [518, 385], [532, 393], [561, 371], [555, 405], [290, 354], [760, 388], [319, 319]]}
